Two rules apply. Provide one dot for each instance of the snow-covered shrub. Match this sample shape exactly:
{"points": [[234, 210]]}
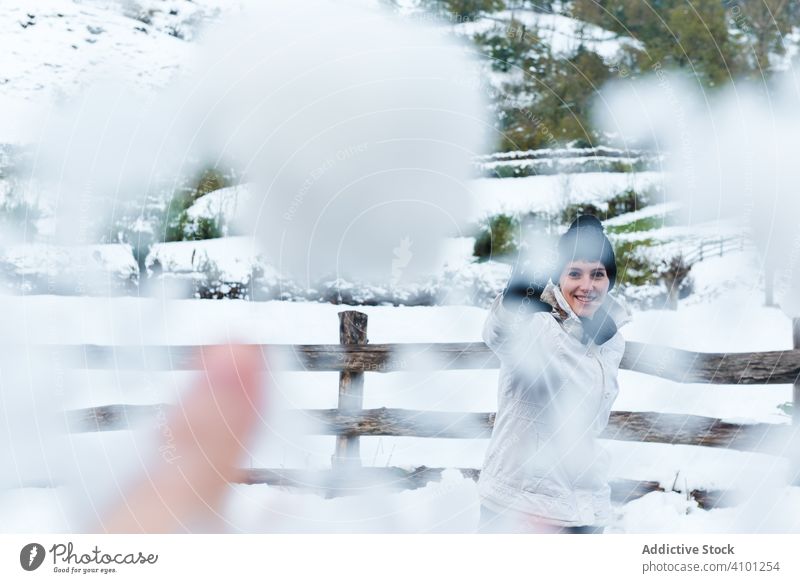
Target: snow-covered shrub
{"points": [[634, 266], [179, 19], [139, 232], [497, 238], [517, 47], [674, 274], [178, 224], [475, 284], [18, 218], [341, 291], [570, 211], [628, 201], [213, 214], [203, 228], [18, 213], [565, 165], [267, 284]]}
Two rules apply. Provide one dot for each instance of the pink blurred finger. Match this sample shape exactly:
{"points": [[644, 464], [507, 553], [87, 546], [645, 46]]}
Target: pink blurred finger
{"points": [[210, 430]]}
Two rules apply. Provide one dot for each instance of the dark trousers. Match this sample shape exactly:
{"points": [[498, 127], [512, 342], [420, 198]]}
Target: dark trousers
{"points": [[511, 522]]}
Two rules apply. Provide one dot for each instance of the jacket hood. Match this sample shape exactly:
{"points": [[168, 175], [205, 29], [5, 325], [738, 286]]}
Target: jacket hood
{"points": [[616, 307]]}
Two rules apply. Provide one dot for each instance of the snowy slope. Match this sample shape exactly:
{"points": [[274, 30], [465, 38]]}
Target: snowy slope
{"points": [[56, 46], [224, 203], [53, 48]]}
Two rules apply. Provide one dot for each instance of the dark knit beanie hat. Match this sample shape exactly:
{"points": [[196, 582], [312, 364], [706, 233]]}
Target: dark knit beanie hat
{"points": [[586, 241]]}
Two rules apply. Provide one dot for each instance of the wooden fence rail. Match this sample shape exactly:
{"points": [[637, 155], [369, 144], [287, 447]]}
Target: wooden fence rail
{"points": [[669, 428], [731, 368], [354, 357]]}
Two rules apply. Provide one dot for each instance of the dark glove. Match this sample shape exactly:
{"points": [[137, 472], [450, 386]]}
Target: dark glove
{"points": [[598, 329], [524, 291]]}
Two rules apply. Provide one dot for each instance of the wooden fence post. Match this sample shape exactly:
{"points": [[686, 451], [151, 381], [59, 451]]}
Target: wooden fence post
{"points": [[352, 330]]}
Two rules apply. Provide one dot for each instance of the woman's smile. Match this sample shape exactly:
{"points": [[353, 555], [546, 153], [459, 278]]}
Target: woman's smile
{"points": [[584, 285]]}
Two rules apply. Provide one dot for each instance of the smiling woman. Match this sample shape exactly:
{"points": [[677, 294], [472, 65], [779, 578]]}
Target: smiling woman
{"points": [[584, 285], [559, 349]]}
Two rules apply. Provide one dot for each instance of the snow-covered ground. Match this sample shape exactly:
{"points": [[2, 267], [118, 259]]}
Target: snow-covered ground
{"points": [[731, 319]]}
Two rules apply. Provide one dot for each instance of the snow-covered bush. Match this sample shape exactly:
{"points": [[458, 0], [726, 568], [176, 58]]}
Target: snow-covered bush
{"points": [[571, 211], [464, 10], [69, 270], [497, 238], [475, 284], [179, 225], [674, 274], [634, 266], [628, 201], [18, 218]]}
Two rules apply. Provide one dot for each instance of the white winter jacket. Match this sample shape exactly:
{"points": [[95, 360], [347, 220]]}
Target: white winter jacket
{"points": [[554, 400]]}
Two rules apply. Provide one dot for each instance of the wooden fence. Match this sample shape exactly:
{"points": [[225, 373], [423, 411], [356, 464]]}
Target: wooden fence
{"points": [[715, 248], [354, 357]]}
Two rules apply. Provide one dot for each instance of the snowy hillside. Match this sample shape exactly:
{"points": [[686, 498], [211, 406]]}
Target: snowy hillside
{"points": [[55, 47]]}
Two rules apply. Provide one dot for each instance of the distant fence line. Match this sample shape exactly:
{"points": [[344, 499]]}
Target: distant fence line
{"points": [[715, 248]]}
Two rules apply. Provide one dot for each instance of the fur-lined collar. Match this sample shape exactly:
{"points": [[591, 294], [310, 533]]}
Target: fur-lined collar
{"points": [[616, 307]]}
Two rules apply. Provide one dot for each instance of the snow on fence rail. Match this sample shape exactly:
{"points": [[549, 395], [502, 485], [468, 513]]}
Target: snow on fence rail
{"points": [[353, 357], [602, 151], [565, 161]]}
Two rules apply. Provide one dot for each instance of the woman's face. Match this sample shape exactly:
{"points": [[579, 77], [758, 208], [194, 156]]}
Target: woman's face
{"points": [[584, 285]]}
